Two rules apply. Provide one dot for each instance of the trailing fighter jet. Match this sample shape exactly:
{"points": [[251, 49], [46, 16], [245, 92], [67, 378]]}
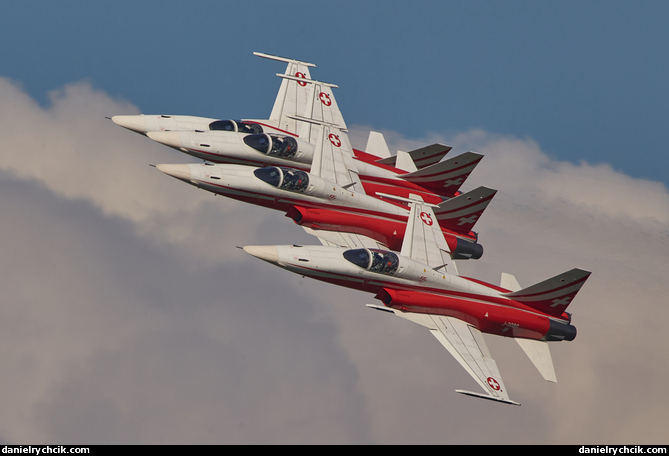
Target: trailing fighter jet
{"points": [[331, 199], [421, 284]]}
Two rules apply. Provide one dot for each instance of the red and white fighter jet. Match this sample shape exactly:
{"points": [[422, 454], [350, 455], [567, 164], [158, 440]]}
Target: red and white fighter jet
{"points": [[290, 134], [331, 200], [421, 284]]}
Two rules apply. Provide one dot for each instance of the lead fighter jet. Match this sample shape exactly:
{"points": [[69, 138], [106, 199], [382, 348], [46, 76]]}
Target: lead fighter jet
{"points": [[421, 284], [288, 136]]}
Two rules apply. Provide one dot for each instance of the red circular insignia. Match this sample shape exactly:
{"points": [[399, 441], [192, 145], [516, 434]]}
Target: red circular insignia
{"points": [[334, 139], [426, 218], [299, 74], [325, 98]]}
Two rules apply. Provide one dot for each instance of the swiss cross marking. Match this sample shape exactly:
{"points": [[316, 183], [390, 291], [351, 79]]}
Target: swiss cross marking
{"points": [[450, 182], [325, 98], [299, 74], [426, 218], [466, 220], [494, 384], [334, 139], [561, 302]]}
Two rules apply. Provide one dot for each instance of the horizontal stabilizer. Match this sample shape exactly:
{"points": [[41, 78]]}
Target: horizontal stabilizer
{"points": [[422, 158], [445, 178], [405, 162], [376, 145], [509, 282], [461, 213], [552, 296], [540, 355], [486, 396]]}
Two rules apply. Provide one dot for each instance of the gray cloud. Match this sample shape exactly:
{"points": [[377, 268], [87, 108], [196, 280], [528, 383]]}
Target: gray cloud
{"points": [[129, 316]]}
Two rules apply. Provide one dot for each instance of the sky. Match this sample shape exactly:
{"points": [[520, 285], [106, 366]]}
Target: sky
{"points": [[130, 317]]}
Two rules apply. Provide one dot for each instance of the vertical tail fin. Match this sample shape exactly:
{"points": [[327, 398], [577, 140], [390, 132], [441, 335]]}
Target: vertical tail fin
{"points": [[459, 214], [376, 145], [540, 355], [509, 282], [445, 178], [404, 161], [552, 296], [537, 350]]}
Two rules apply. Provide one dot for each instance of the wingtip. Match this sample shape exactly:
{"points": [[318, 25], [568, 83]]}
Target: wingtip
{"points": [[487, 396]]}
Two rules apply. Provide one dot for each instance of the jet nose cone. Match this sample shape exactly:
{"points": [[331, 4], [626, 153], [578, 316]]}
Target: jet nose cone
{"points": [[179, 171], [169, 138], [134, 123], [268, 253]]}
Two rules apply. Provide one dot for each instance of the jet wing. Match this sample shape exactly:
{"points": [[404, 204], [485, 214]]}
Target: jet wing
{"points": [[423, 239], [333, 159], [320, 108], [466, 344], [294, 95]]}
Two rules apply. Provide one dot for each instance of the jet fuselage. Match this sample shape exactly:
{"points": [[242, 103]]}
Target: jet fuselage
{"points": [[407, 285], [277, 148], [309, 200]]}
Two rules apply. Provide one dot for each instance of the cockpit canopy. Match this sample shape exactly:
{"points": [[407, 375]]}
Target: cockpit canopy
{"points": [[374, 260], [274, 145], [292, 180], [237, 126]]}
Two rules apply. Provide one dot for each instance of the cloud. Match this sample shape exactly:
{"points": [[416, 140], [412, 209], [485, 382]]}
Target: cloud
{"points": [[548, 217], [129, 316]]}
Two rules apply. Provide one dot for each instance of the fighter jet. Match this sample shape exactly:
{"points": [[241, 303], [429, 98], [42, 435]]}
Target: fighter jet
{"points": [[421, 284], [290, 102], [434, 183], [331, 199], [298, 96], [287, 138]]}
